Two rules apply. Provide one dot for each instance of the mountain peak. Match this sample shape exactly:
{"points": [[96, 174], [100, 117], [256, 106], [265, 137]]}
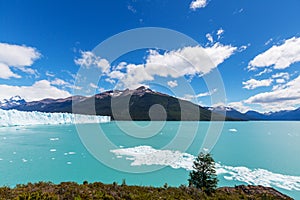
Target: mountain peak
{"points": [[11, 102], [15, 98], [141, 88]]}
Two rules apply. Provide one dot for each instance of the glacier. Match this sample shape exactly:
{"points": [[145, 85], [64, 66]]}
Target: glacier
{"points": [[22, 118]]}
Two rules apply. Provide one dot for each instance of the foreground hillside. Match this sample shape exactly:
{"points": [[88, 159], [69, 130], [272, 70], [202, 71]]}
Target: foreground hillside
{"points": [[70, 190]]}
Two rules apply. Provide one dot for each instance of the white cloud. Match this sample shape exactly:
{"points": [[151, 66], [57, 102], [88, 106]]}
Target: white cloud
{"points": [[101, 89], [18, 57], [6, 73], [39, 90], [243, 48], [109, 80], [49, 74], [64, 84], [209, 37], [58, 81], [240, 106], [186, 61], [92, 85], [283, 75], [280, 80], [29, 70], [238, 11], [264, 72], [89, 59], [253, 83], [204, 94], [131, 8], [268, 42], [278, 57], [172, 83], [220, 33], [116, 74], [287, 96], [198, 4]]}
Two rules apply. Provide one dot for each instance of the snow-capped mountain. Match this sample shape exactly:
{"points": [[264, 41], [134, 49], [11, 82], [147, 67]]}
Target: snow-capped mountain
{"points": [[129, 104], [229, 112], [254, 115], [7, 104]]}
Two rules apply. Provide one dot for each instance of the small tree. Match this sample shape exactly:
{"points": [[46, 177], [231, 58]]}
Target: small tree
{"points": [[204, 174]]}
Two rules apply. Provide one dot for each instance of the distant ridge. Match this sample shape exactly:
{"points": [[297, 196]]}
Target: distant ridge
{"points": [[284, 115], [126, 105], [7, 104], [135, 104]]}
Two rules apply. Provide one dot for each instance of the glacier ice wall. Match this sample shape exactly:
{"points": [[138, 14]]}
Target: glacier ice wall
{"points": [[21, 118]]}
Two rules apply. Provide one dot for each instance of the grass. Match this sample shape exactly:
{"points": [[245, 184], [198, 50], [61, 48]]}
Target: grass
{"points": [[97, 190]]}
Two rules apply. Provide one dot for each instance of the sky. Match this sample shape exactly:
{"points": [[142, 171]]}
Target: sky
{"points": [[254, 46]]}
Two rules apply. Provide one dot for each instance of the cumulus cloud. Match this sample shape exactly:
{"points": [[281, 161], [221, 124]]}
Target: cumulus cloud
{"points": [[253, 83], [278, 56], [64, 84], [172, 83], [280, 80], [17, 57], [198, 4], [240, 106], [283, 75], [186, 61], [39, 90], [89, 59], [287, 96], [6, 73], [58, 81], [191, 60]]}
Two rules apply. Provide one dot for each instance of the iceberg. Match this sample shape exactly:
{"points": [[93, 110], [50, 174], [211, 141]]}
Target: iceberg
{"points": [[147, 155], [22, 118]]}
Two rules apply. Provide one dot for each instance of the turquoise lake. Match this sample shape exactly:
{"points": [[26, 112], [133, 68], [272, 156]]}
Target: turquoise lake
{"points": [[264, 153]]}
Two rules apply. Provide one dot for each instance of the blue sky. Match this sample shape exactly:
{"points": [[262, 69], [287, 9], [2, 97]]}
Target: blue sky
{"points": [[44, 43]]}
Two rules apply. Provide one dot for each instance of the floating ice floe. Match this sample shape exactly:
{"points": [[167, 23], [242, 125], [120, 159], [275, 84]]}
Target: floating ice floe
{"points": [[232, 130], [53, 139], [20, 118], [146, 155]]}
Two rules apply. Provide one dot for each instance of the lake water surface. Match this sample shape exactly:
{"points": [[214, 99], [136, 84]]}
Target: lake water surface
{"points": [[265, 153]]}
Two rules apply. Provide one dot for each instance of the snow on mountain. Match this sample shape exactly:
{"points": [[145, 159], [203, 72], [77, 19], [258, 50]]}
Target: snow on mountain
{"points": [[20, 118], [7, 104]]}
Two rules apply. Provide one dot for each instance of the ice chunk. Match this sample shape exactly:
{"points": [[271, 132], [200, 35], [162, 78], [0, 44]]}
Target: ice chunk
{"points": [[232, 130], [147, 155]]}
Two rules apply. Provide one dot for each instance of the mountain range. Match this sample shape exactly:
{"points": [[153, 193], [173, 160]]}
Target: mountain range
{"points": [[282, 115], [142, 104]]}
